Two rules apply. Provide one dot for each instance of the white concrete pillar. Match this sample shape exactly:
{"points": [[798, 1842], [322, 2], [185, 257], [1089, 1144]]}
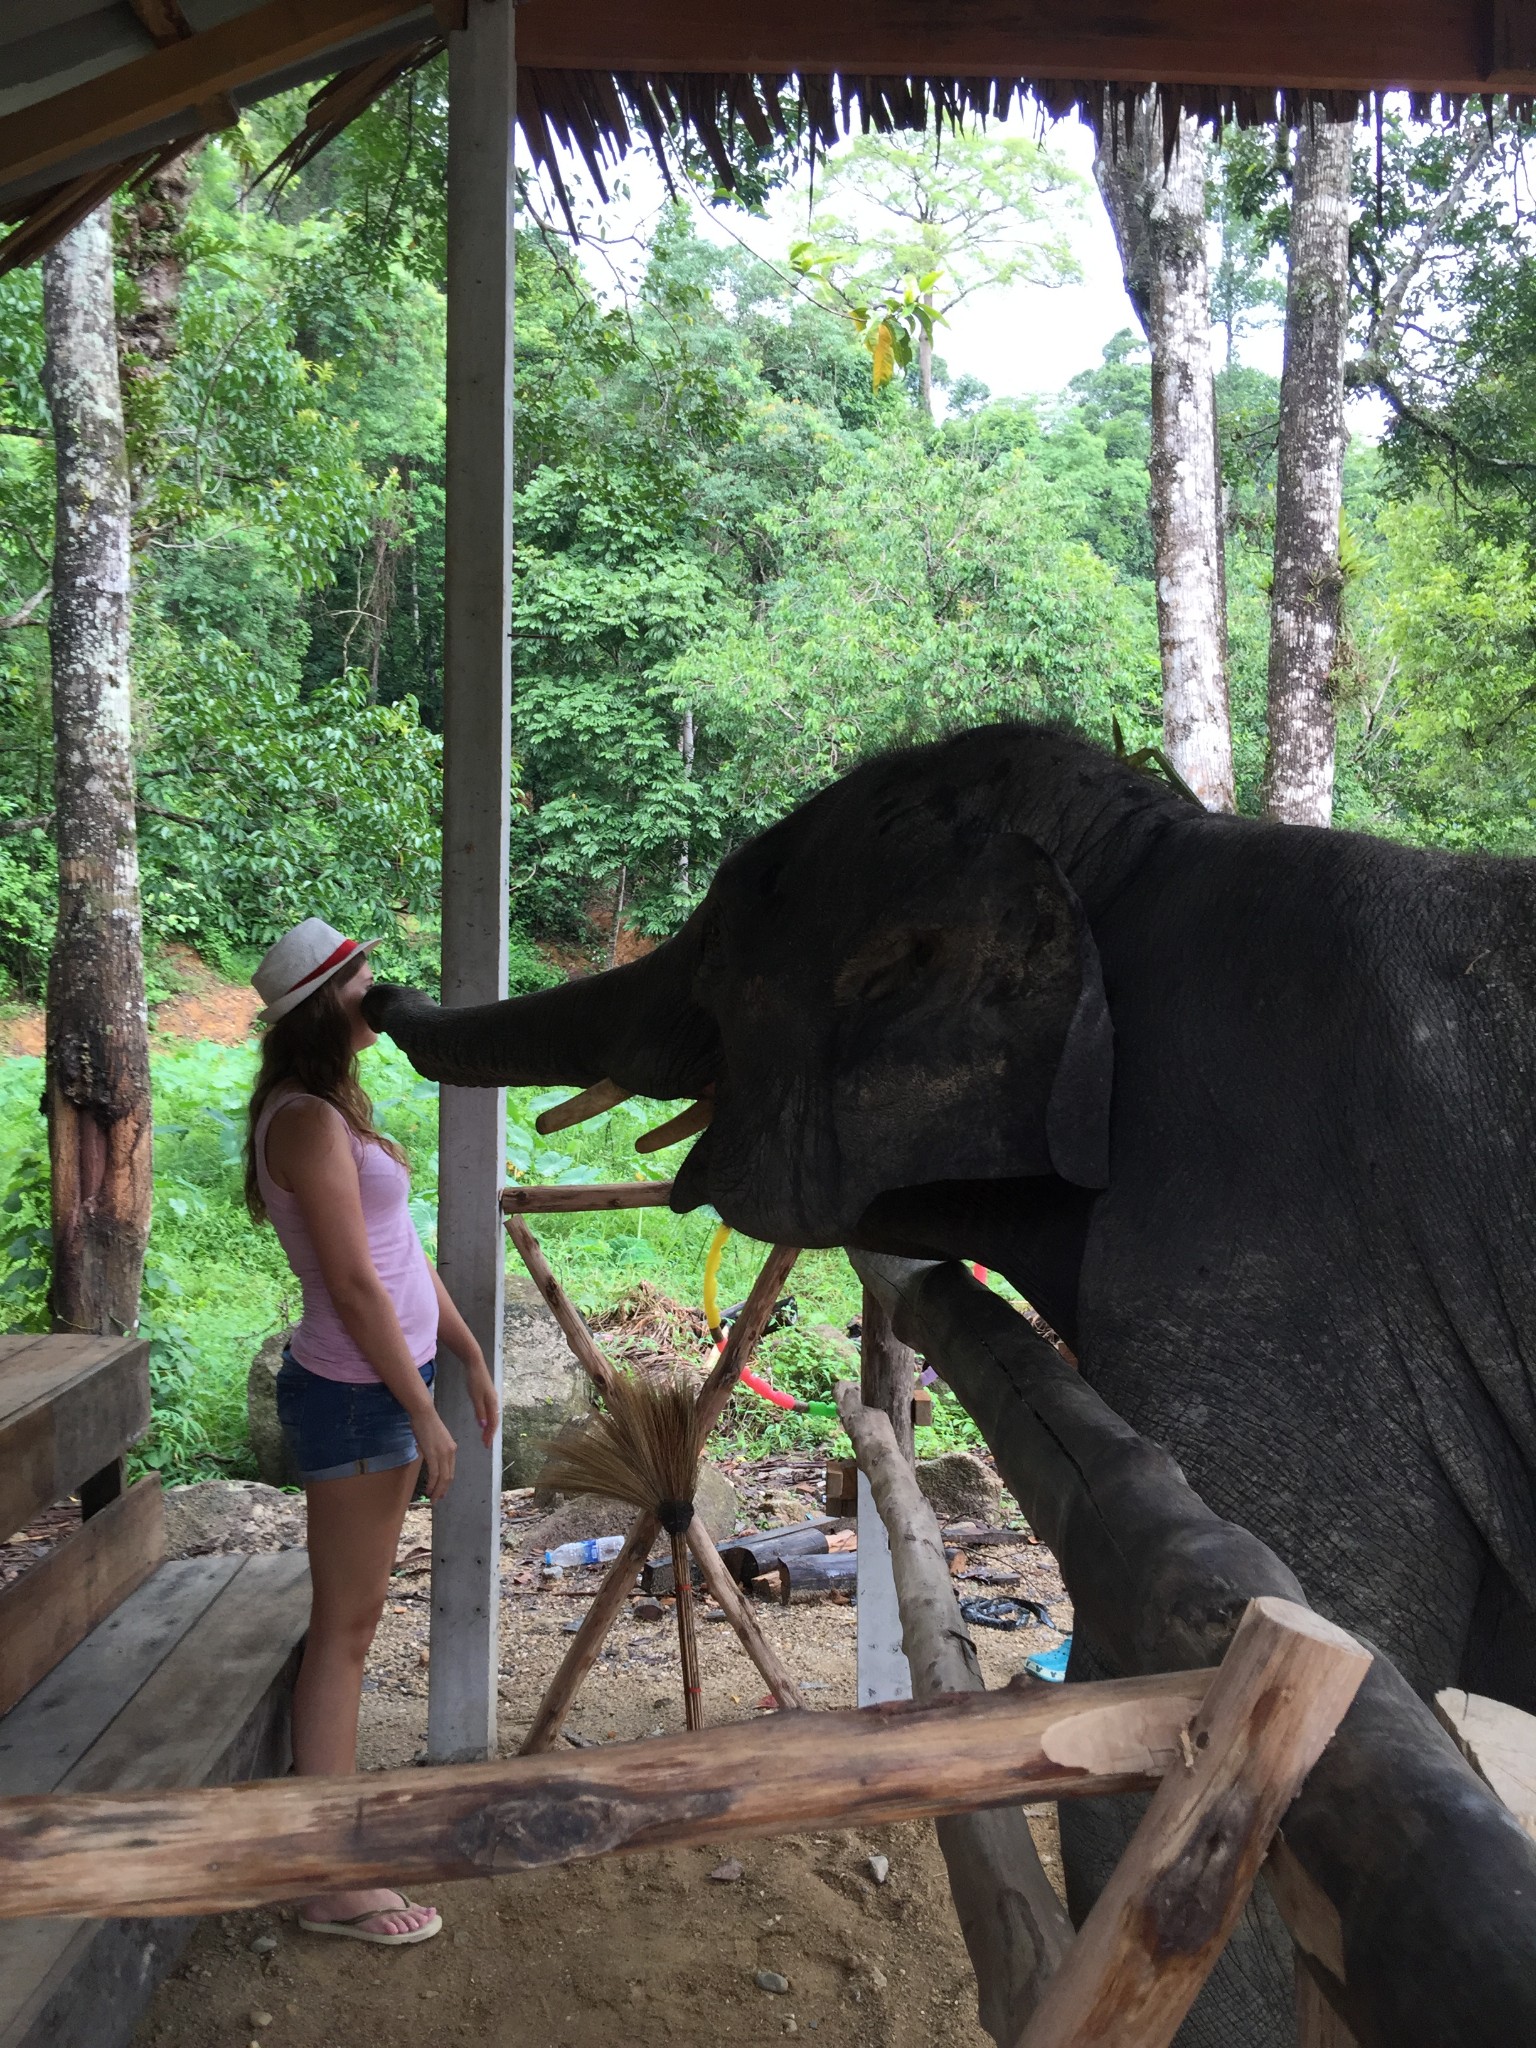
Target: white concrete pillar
{"points": [[477, 680]]}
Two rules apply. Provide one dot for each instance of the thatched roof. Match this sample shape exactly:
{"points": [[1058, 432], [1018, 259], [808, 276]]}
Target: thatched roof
{"points": [[94, 94]]}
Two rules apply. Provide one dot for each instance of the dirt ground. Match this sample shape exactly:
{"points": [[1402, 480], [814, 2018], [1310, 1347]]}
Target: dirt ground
{"points": [[204, 1006], [649, 1950]]}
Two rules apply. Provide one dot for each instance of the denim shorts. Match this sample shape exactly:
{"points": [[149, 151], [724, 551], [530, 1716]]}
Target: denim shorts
{"points": [[337, 1428]]}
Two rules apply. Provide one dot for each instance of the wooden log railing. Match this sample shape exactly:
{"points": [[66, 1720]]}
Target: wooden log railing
{"points": [[203, 1850], [1409, 1890]]}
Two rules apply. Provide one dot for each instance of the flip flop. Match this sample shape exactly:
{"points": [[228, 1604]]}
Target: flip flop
{"points": [[353, 1930]]}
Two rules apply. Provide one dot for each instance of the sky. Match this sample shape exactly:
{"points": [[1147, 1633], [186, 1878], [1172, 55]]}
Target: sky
{"points": [[1021, 341]]}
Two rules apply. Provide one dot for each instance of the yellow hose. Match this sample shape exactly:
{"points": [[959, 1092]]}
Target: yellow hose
{"points": [[712, 1259]]}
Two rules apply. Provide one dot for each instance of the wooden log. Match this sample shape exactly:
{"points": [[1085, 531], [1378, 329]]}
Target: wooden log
{"points": [[593, 1633], [1164, 1916], [1499, 1742], [887, 1371], [1016, 1929], [1396, 1847], [885, 1377], [696, 1117], [561, 1307], [55, 1605], [580, 1109], [1317, 2024], [199, 1851], [813, 1578], [577, 1200], [724, 1588], [749, 1557]]}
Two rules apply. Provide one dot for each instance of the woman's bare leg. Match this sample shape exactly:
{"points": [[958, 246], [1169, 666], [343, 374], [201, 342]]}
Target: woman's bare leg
{"points": [[354, 1532]]}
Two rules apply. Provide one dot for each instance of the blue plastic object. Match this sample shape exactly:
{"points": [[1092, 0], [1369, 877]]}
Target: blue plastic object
{"points": [[1050, 1664]]}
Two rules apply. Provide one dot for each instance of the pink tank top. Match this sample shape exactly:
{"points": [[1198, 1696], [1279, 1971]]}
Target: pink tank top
{"points": [[321, 1343]]}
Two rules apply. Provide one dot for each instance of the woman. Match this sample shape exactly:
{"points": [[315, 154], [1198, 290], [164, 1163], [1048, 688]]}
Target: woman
{"points": [[354, 1395]]}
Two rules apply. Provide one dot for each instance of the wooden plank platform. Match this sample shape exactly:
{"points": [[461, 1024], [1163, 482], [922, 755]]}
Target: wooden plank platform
{"points": [[68, 1406], [186, 1683], [54, 1606]]}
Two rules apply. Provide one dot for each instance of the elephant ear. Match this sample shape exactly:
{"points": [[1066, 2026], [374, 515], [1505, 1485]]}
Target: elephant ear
{"points": [[973, 1040]]}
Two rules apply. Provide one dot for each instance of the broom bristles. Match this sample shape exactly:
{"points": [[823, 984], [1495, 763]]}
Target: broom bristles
{"points": [[643, 1448]]}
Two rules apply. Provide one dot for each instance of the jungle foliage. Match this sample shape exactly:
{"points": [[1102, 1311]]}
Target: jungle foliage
{"points": [[741, 565]]}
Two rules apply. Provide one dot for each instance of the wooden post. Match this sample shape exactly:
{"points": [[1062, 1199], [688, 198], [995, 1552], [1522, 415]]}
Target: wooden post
{"points": [[1317, 2024], [1171, 1901], [1016, 1929], [739, 1614], [466, 1526], [593, 1633], [885, 1382], [561, 1307]]}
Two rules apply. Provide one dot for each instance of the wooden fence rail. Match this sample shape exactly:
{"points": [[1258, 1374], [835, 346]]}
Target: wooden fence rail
{"points": [[203, 1851]]}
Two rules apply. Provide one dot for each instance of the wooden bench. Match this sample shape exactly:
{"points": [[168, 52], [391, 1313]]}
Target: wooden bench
{"points": [[119, 1669]]}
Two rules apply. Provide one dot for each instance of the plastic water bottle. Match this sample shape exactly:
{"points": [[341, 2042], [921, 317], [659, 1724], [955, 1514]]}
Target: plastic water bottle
{"points": [[594, 1550]]}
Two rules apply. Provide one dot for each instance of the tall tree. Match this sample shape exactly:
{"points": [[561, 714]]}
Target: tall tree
{"points": [[968, 210], [97, 1029], [1156, 204], [1309, 485]]}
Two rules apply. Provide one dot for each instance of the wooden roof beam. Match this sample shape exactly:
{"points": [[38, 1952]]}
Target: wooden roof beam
{"points": [[190, 72], [1427, 45]]}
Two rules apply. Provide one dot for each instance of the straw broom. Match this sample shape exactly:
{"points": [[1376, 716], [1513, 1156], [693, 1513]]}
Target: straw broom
{"points": [[644, 1449]]}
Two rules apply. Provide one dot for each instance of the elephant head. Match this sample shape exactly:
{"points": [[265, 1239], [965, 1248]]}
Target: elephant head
{"points": [[894, 986]]}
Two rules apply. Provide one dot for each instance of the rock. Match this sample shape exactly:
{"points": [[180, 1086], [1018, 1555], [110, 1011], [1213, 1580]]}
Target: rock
{"points": [[543, 1387], [261, 2019], [959, 1488], [877, 1977], [231, 1515], [264, 1945], [729, 1872], [647, 1610], [273, 1464], [879, 1868], [770, 1980], [586, 1515]]}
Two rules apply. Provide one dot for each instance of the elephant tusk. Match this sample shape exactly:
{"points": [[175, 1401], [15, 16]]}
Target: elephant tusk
{"points": [[695, 1117], [580, 1109]]}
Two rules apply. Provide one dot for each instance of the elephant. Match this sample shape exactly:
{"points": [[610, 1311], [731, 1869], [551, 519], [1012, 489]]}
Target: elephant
{"points": [[1246, 1110]]}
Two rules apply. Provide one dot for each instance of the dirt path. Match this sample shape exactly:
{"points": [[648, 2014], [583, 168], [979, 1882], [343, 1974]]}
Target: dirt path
{"points": [[646, 1950]]}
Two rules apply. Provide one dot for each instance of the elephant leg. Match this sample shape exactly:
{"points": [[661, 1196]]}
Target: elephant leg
{"points": [[1500, 1657], [1248, 2000]]}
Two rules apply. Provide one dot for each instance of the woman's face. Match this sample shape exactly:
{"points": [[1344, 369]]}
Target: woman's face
{"points": [[351, 988]]}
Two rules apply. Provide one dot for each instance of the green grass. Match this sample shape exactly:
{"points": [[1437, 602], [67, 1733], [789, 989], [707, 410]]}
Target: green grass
{"points": [[215, 1286]]}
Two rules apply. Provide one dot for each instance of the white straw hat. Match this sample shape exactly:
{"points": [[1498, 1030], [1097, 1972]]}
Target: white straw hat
{"points": [[300, 961]]}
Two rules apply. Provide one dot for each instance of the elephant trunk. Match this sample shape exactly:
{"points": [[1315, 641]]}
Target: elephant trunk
{"points": [[637, 1026]]}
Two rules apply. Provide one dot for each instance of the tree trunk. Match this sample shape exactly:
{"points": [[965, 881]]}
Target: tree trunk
{"points": [[1159, 221], [97, 1034], [1308, 582], [925, 363], [152, 254]]}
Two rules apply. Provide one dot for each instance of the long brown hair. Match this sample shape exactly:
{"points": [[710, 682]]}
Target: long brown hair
{"points": [[312, 1047]]}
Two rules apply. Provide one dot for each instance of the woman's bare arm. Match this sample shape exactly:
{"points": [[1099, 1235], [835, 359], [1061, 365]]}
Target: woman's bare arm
{"points": [[453, 1331], [307, 1148]]}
